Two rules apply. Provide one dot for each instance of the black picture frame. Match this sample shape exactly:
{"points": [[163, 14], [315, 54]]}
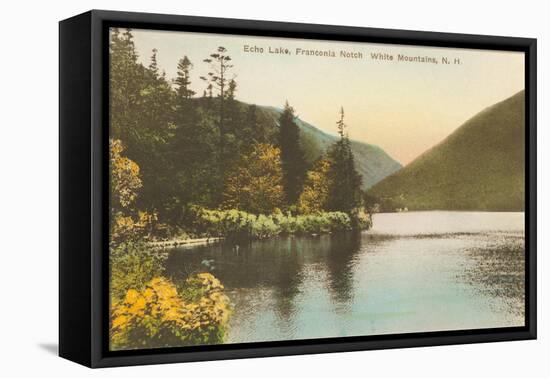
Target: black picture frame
{"points": [[83, 181]]}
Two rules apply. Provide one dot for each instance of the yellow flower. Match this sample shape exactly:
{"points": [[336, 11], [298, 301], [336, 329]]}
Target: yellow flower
{"points": [[160, 308], [120, 321], [131, 296], [148, 294], [138, 306]]}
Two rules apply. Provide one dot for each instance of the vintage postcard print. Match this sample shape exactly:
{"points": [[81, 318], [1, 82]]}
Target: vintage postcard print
{"points": [[268, 189]]}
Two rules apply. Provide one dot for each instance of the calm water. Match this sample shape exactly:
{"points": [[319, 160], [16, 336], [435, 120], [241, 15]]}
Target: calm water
{"points": [[416, 271]]}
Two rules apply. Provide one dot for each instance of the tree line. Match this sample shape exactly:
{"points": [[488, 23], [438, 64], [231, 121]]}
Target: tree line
{"points": [[212, 151]]}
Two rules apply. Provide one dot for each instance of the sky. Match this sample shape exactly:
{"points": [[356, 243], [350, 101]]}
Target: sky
{"points": [[404, 107]]}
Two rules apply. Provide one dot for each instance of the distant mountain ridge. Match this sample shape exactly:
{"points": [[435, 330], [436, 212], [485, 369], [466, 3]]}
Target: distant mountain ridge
{"points": [[372, 162], [480, 166]]}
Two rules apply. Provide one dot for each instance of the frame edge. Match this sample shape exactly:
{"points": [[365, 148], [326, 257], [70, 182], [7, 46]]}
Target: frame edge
{"points": [[99, 17], [75, 334]]}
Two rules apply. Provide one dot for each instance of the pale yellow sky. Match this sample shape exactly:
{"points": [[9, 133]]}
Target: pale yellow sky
{"points": [[403, 107]]}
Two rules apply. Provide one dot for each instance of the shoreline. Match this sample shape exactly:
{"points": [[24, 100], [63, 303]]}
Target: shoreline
{"points": [[172, 243]]}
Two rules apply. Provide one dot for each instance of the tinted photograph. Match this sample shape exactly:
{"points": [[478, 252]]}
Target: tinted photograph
{"points": [[271, 189]]}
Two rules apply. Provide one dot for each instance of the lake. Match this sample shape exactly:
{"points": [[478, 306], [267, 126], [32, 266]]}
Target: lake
{"points": [[412, 272]]}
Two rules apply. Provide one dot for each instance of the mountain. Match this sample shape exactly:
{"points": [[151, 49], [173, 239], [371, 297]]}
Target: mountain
{"points": [[480, 166], [372, 162]]}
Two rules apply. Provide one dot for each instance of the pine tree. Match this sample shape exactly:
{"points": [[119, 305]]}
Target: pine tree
{"points": [[217, 78], [183, 80], [232, 88], [233, 113], [186, 112], [141, 103], [345, 191], [192, 147], [126, 81], [254, 131], [153, 66], [292, 156]]}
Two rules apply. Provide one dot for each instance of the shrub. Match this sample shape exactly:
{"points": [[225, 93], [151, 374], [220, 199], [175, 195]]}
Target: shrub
{"points": [[240, 225], [339, 221], [158, 316], [265, 227], [235, 224], [132, 265], [286, 223], [361, 220], [225, 223]]}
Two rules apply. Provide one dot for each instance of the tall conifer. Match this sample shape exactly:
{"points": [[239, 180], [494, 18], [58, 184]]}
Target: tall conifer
{"points": [[292, 156]]}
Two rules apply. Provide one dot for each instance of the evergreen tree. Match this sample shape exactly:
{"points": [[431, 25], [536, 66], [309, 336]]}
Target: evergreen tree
{"points": [[126, 80], [254, 131], [209, 91], [186, 111], [292, 156], [141, 103], [183, 80], [217, 78], [192, 147], [153, 66], [345, 191], [231, 89], [234, 119]]}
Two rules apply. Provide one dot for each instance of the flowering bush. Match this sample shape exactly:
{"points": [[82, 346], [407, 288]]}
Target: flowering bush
{"points": [[158, 316]]}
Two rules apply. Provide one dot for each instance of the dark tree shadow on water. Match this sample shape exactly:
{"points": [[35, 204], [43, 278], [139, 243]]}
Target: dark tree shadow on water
{"points": [[341, 252], [51, 348]]}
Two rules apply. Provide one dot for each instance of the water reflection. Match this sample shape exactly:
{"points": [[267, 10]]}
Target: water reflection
{"points": [[279, 265], [340, 260], [397, 278]]}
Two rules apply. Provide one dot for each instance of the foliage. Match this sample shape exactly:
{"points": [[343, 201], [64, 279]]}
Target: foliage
{"points": [[264, 227], [292, 156], [132, 265], [256, 131], [218, 79], [314, 196], [373, 163], [319, 223], [345, 191], [176, 156], [194, 158], [225, 223], [361, 219], [126, 228], [199, 150], [333, 184], [220, 67], [159, 316], [141, 115], [126, 223], [124, 179], [255, 183], [240, 225], [183, 80]]}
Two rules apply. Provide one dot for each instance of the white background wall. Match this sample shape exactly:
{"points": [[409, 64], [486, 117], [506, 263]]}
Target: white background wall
{"points": [[29, 187]]}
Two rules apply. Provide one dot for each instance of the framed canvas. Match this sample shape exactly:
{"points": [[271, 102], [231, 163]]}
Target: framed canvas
{"points": [[234, 188]]}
